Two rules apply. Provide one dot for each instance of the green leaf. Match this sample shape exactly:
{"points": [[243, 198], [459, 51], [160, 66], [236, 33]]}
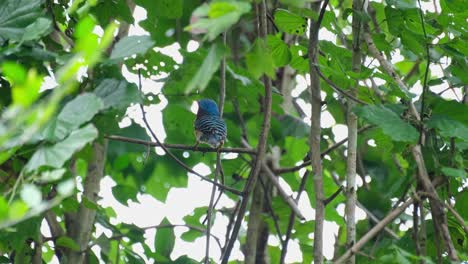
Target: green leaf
{"points": [[117, 94], [15, 16], [216, 17], [39, 28], [75, 113], [164, 240], [56, 155], [279, 50], [390, 123], [152, 63], [452, 172], [299, 60], [185, 260], [290, 23], [123, 193], [259, 60], [448, 127], [131, 45], [209, 66], [106, 11], [67, 242]]}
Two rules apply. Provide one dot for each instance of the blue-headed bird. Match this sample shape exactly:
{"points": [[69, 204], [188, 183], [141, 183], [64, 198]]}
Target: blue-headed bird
{"points": [[210, 128]]}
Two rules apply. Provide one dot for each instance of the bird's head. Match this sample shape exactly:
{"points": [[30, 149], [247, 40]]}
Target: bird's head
{"points": [[207, 107]]}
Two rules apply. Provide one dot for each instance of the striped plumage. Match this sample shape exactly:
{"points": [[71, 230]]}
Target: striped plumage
{"points": [[210, 128]]}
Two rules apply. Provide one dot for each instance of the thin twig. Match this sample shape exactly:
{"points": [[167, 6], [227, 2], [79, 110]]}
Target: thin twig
{"points": [[271, 211], [292, 217], [336, 88], [211, 209], [333, 196]]}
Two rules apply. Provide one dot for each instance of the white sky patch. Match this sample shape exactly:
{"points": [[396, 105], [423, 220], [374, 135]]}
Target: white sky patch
{"points": [[340, 131], [192, 45]]}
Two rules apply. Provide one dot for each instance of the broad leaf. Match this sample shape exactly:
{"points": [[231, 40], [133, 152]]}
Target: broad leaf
{"points": [[279, 50], [75, 113], [290, 23], [164, 240], [131, 45], [117, 94], [448, 127], [57, 154], [390, 123], [260, 60], [15, 16]]}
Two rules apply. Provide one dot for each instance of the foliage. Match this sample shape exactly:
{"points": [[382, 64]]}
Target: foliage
{"points": [[67, 83]]}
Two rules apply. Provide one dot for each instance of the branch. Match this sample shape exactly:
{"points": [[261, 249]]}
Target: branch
{"points": [[211, 208], [55, 230], [287, 198], [212, 205], [82, 223], [335, 87], [426, 74], [352, 120], [315, 131], [180, 146], [261, 147], [372, 217], [333, 196], [374, 231], [269, 206]]}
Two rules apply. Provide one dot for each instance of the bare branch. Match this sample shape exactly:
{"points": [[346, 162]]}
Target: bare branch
{"points": [[333, 196], [352, 120], [211, 208], [315, 131], [374, 231], [292, 217], [81, 228], [287, 198]]}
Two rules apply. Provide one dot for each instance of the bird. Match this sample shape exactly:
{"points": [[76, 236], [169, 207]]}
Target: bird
{"points": [[210, 128]]}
